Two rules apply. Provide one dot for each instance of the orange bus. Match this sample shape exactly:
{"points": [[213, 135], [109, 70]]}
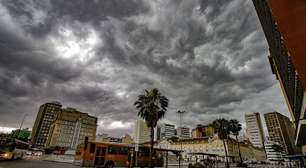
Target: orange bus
{"points": [[109, 155]]}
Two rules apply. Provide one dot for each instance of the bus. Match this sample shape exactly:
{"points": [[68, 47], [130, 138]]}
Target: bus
{"points": [[13, 149], [95, 154]]}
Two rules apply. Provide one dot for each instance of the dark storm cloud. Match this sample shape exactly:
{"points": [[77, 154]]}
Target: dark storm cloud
{"points": [[39, 17], [208, 57]]}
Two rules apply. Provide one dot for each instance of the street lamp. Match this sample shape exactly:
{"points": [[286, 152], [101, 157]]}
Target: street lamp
{"points": [[21, 124], [180, 114]]}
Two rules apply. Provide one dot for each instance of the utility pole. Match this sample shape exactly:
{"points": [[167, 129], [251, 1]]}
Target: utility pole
{"points": [[180, 115]]}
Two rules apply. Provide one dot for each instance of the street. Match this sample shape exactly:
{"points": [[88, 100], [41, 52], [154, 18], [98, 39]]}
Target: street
{"points": [[34, 164], [48, 164]]}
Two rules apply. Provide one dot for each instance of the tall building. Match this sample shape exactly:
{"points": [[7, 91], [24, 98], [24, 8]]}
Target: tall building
{"points": [[286, 38], [142, 132], [70, 129], [157, 133], [167, 131], [255, 129], [280, 130], [45, 117], [183, 132], [202, 131]]}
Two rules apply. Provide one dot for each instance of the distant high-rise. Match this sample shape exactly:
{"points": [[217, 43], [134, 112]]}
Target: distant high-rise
{"points": [[280, 130], [183, 132], [255, 129], [167, 131], [283, 23], [70, 129], [142, 132], [45, 117], [157, 133]]}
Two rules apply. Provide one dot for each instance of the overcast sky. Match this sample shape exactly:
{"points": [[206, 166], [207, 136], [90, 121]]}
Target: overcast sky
{"points": [[209, 58]]}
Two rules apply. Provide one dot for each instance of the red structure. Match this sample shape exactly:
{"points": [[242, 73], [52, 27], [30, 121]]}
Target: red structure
{"points": [[290, 16], [284, 25]]}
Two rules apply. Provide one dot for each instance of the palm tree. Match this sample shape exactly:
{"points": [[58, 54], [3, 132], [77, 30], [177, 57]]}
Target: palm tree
{"points": [[221, 127], [151, 106], [235, 128], [277, 148]]}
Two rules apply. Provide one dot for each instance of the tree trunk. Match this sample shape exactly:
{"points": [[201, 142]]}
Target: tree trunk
{"points": [[239, 149], [151, 147], [225, 151]]}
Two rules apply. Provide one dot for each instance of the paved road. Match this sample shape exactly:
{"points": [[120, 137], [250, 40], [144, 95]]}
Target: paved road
{"points": [[34, 164], [48, 164]]}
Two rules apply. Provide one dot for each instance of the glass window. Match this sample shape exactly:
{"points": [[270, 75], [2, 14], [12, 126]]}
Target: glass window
{"points": [[117, 150]]}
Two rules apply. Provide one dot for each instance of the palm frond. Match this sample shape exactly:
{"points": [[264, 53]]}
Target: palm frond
{"points": [[151, 106]]}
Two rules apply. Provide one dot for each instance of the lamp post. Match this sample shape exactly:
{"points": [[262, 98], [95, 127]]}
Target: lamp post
{"points": [[180, 114]]}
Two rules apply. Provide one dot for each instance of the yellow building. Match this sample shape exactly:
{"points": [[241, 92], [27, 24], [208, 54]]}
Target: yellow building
{"points": [[104, 138], [127, 139], [248, 151], [215, 146], [202, 131], [70, 129]]}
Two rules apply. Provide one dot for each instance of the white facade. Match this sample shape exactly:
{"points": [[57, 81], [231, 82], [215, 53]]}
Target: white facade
{"points": [[183, 132], [142, 132], [254, 129]]}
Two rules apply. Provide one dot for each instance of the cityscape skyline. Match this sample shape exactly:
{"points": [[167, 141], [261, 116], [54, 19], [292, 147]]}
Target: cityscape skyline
{"points": [[160, 123], [152, 83], [163, 131], [205, 77], [162, 134]]}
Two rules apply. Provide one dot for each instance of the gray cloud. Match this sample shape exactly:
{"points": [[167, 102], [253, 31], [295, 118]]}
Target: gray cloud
{"points": [[207, 57]]}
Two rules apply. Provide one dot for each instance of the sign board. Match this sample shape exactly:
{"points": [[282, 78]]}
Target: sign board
{"points": [[136, 147]]}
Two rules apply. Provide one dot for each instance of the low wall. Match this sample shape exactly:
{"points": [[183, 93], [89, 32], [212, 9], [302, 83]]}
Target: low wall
{"points": [[58, 158]]}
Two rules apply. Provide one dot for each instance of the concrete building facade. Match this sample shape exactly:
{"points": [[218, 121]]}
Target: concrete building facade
{"points": [[70, 129], [45, 117], [280, 130], [273, 155], [183, 132], [255, 131]]}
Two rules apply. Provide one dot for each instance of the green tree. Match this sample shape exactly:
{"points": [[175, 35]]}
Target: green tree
{"points": [[235, 128], [151, 106], [221, 127], [21, 134]]}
